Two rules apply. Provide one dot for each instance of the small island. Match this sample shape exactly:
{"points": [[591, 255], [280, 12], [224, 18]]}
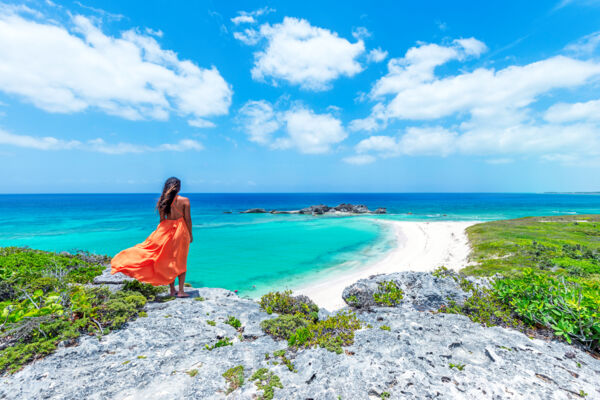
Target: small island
{"points": [[321, 209]]}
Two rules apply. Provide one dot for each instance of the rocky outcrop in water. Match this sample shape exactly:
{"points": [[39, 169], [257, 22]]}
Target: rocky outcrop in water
{"points": [[401, 353], [254, 211], [322, 209]]}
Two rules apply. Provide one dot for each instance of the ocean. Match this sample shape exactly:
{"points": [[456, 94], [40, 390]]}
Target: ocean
{"points": [[254, 253]]}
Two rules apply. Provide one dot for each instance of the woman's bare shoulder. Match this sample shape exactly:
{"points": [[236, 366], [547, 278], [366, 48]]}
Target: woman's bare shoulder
{"points": [[183, 200]]}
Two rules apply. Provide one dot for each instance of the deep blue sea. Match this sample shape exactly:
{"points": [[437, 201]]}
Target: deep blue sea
{"points": [[256, 252]]}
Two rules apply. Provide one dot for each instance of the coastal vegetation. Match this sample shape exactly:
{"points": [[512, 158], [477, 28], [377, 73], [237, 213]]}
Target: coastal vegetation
{"points": [[44, 302], [299, 323], [549, 276]]}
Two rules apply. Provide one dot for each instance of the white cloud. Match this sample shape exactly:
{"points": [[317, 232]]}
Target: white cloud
{"points": [[259, 121], [359, 159], [201, 123], [415, 142], [587, 45], [361, 33], [243, 19], [94, 145], [79, 67], [564, 112], [302, 54], [486, 112], [377, 55], [298, 127], [248, 36], [310, 133], [248, 17]]}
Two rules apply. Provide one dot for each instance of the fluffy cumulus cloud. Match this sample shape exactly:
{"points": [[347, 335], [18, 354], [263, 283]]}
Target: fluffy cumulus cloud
{"points": [[485, 111], [76, 66], [297, 128], [95, 145], [377, 55], [296, 52]]}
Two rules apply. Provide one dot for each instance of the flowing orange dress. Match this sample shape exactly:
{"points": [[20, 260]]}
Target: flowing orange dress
{"points": [[159, 259]]}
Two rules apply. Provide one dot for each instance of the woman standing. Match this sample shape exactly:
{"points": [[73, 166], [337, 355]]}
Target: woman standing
{"points": [[163, 256]]}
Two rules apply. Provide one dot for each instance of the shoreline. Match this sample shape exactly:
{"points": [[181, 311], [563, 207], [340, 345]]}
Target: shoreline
{"points": [[420, 246]]}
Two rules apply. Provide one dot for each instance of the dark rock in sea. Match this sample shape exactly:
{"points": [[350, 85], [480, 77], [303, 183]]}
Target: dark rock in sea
{"points": [[422, 291], [254, 211], [380, 210], [164, 356], [285, 212], [227, 212], [315, 210], [352, 209]]}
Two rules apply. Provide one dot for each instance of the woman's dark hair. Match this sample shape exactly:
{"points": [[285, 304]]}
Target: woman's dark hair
{"points": [[170, 190]]}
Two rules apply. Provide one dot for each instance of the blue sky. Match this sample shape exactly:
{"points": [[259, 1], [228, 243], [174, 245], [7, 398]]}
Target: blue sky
{"points": [[99, 96]]}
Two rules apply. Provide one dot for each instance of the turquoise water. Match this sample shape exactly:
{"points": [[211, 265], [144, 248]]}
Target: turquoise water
{"points": [[253, 253]]}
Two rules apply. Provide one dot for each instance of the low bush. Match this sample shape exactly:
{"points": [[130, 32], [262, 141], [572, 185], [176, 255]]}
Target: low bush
{"points": [[284, 326], [388, 294], [266, 381], [234, 378], [145, 289], [234, 322], [331, 333], [285, 303]]}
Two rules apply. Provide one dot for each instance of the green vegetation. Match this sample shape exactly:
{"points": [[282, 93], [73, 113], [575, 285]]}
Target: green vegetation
{"points": [[43, 303], [550, 270], [220, 343], [385, 395], [331, 333], [352, 301], [266, 381], [234, 378], [192, 372], [384, 328], [388, 294], [285, 360], [148, 291], [458, 366], [211, 323], [199, 298], [234, 322], [284, 326], [300, 326], [285, 303]]}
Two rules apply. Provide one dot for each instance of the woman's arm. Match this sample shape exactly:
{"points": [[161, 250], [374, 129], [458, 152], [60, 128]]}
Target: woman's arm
{"points": [[188, 218]]}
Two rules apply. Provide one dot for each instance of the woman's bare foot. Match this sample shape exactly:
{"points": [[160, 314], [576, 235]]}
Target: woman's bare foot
{"points": [[172, 293], [182, 294]]}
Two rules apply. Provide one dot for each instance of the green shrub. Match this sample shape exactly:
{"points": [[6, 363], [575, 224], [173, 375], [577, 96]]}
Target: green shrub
{"points": [[388, 294], [331, 333], [285, 303], [384, 328], [234, 322], [234, 378], [283, 326], [266, 381], [284, 360], [220, 343], [211, 323], [570, 308], [145, 289]]}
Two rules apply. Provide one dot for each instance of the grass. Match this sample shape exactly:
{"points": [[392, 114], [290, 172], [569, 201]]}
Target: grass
{"points": [[550, 275], [509, 246]]}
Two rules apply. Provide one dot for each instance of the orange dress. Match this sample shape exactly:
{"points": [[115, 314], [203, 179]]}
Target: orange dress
{"points": [[159, 259]]}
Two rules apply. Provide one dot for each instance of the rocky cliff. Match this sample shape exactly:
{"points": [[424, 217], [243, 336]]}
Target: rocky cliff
{"points": [[186, 349]]}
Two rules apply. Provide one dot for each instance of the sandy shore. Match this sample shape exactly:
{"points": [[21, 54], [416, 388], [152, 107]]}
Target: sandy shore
{"points": [[421, 246]]}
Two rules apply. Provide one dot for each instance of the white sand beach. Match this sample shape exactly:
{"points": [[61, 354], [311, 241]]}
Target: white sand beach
{"points": [[421, 246]]}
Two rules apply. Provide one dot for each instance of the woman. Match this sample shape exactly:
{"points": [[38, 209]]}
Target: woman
{"points": [[163, 256]]}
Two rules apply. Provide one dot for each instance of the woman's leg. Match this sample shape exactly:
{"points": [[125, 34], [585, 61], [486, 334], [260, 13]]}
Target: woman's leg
{"points": [[182, 292], [172, 287]]}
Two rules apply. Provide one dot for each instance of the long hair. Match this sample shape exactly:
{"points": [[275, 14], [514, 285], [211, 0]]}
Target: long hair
{"points": [[170, 190]]}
